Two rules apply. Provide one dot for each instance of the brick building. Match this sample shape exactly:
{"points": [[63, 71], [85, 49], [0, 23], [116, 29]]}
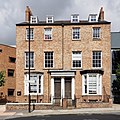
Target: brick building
{"points": [[69, 60], [8, 64]]}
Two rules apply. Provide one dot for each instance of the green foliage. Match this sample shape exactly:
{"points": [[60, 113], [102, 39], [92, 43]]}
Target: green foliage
{"points": [[2, 78]]}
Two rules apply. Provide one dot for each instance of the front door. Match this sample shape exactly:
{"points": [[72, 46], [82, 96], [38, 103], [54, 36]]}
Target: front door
{"points": [[57, 90], [68, 87]]}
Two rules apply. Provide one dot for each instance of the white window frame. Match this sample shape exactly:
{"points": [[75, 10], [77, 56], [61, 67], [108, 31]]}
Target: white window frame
{"points": [[49, 19], [96, 67], [33, 19], [48, 33], [93, 18], [53, 59], [96, 32], [76, 57], [31, 33], [98, 84], [26, 84], [75, 31], [31, 60], [75, 18]]}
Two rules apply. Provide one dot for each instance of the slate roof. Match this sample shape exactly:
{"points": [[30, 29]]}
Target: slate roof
{"points": [[64, 22]]}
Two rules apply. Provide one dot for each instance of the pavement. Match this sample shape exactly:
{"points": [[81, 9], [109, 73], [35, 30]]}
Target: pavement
{"points": [[12, 114], [3, 111]]}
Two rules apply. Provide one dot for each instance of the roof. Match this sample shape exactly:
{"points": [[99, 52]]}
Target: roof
{"points": [[12, 46], [65, 22], [115, 40]]}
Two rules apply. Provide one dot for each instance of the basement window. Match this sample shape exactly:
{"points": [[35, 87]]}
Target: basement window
{"points": [[0, 50], [10, 92]]}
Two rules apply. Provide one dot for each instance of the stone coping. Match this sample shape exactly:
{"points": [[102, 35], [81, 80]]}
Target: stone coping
{"points": [[28, 103]]}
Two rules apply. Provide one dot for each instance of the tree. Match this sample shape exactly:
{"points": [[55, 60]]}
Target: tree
{"points": [[2, 78], [116, 86]]}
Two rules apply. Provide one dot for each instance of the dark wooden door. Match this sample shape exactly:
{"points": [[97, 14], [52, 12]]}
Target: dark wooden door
{"points": [[68, 87], [57, 90]]}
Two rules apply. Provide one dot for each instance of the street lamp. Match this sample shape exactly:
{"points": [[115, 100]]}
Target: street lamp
{"points": [[29, 65]]}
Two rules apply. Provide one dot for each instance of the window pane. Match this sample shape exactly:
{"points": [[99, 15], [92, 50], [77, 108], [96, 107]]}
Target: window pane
{"points": [[48, 33], [12, 59], [96, 32], [76, 33], [96, 58], [31, 34], [31, 59], [76, 59], [48, 59], [10, 92], [92, 84], [10, 73]]}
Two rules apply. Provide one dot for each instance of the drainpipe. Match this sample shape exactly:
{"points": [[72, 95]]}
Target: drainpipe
{"points": [[62, 46], [29, 66]]}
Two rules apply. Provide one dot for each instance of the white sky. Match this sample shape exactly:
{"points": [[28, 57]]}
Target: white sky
{"points": [[13, 11]]}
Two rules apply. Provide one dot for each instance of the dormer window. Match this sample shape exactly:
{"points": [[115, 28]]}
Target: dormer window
{"points": [[49, 19], [75, 18], [92, 18], [33, 19]]}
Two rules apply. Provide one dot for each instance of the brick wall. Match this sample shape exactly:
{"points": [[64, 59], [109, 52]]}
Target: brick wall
{"points": [[5, 64], [62, 45]]}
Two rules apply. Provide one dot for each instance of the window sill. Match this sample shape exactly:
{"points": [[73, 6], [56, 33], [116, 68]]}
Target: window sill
{"points": [[28, 68], [97, 68], [11, 76], [47, 68], [76, 68], [30, 40], [96, 39], [76, 40], [47, 39]]}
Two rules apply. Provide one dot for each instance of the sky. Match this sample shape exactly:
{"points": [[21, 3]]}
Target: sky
{"points": [[13, 12]]}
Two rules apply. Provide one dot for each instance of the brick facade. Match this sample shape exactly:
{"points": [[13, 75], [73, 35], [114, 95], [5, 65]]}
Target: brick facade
{"points": [[7, 62], [62, 47]]}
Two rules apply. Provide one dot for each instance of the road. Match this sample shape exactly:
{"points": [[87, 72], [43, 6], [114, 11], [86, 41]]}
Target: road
{"points": [[72, 117]]}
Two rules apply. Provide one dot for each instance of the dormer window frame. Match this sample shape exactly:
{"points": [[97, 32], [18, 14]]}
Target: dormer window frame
{"points": [[93, 18], [75, 18], [33, 19], [49, 19]]}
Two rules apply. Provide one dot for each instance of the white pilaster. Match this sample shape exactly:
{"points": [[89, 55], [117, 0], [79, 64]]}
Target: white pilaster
{"points": [[73, 88], [41, 84], [52, 90], [62, 87]]}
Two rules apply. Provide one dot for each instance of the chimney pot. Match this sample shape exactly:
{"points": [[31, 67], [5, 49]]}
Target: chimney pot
{"points": [[101, 15], [28, 13]]}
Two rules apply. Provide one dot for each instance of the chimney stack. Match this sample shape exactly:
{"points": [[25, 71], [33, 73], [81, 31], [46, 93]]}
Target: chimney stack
{"points": [[101, 15], [28, 13]]}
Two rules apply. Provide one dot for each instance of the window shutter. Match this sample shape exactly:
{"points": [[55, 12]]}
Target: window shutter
{"points": [[26, 85], [83, 85]]}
